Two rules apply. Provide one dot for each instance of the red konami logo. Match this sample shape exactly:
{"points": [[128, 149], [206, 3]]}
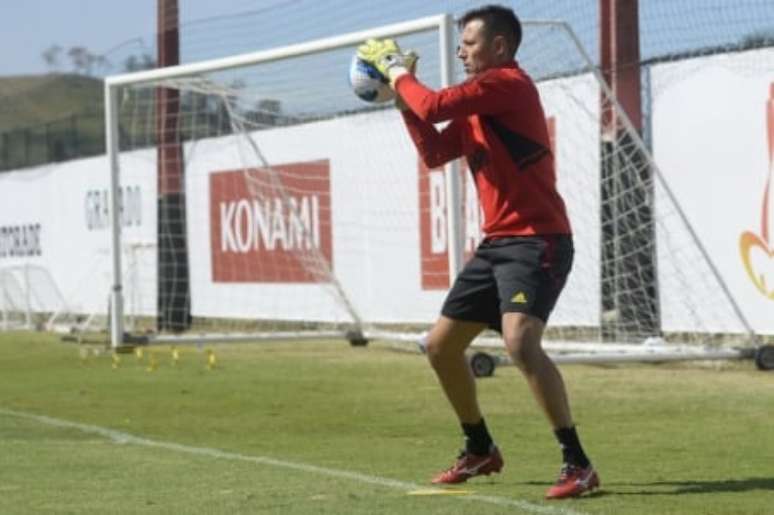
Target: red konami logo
{"points": [[758, 249], [272, 225]]}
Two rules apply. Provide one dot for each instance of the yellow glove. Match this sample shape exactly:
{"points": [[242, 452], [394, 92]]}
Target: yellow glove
{"points": [[386, 56]]}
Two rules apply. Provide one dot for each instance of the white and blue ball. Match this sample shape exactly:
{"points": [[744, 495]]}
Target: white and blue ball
{"points": [[368, 83]]}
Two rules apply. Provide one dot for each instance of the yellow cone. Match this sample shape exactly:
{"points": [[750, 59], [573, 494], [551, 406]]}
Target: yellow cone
{"points": [[152, 363]]}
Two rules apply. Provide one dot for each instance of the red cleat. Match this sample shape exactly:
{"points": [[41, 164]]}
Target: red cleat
{"points": [[471, 465], [573, 481]]}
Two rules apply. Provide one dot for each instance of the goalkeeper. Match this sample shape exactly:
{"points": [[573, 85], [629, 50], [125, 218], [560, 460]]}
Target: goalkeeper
{"points": [[514, 279]]}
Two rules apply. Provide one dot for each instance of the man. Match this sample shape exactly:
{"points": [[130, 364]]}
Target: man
{"points": [[515, 277]]}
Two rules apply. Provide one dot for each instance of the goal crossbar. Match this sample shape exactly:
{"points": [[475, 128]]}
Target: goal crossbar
{"points": [[275, 54], [441, 22]]}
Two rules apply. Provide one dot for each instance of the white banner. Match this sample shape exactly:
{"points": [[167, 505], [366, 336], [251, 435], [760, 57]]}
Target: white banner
{"points": [[374, 224], [67, 206], [713, 125]]}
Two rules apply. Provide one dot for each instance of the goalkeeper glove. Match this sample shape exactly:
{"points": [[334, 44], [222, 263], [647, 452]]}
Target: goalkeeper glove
{"points": [[412, 58], [386, 56]]}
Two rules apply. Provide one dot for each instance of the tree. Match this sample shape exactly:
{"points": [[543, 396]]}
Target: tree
{"points": [[51, 56], [135, 63], [82, 59], [102, 63], [78, 57], [86, 62], [758, 39]]}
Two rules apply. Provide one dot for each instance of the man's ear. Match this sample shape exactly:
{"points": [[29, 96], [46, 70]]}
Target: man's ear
{"points": [[500, 46]]}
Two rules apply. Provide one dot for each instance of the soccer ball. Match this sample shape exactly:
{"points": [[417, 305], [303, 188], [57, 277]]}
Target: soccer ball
{"points": [[368, 83]]}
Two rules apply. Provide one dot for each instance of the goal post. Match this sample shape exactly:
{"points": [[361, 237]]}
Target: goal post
{"points": [[166, 77], [310, 214]]}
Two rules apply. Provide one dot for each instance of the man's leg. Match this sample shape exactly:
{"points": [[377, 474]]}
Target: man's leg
{"points": [[523, 334], [446, 345]]}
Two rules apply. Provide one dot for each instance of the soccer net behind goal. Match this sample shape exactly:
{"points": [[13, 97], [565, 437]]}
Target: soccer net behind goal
{"points": [[286, 206], [285, 203]]}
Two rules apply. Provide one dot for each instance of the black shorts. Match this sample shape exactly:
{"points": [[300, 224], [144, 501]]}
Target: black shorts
{"points": [[519, 274]]}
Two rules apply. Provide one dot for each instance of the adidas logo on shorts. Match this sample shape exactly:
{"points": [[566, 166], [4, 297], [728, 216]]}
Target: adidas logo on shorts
{"points": [[519, 298]]}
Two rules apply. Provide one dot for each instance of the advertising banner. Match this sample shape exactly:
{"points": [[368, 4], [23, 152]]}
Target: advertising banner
{"points": [[713, 120]]}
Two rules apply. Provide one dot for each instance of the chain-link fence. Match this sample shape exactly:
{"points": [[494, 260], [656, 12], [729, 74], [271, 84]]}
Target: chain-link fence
{"points": [[73, 136], [669, 30]]}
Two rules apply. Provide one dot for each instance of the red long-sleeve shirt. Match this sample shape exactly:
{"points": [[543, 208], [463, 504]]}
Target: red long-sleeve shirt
{"points": [[498, 125]]}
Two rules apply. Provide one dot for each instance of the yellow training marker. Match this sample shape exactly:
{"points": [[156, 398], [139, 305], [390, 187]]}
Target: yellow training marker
{"points": [[116, 360], [138, 353], [175, 356], [211, 359], [152, 363], [439, 491]]}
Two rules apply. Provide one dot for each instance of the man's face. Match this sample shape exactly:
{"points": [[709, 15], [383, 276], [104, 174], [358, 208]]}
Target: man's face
{"points": [[476, 52]]}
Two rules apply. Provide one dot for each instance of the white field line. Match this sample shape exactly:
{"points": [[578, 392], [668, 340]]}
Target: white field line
{"points": [[120, 437]]}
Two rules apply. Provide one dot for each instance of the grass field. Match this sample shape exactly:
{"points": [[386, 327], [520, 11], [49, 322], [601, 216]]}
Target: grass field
{"points": [[327, 428]]}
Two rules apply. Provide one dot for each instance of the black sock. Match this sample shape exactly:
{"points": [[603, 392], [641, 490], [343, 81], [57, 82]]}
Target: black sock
{"points": [[477, 438], [572, 452]]}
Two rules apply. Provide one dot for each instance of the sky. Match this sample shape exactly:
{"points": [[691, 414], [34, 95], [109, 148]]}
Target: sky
{"points": [[31, 26], [122, 27], [214, 28]]}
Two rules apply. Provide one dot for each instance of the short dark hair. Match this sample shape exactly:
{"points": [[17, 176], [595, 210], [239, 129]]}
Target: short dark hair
{"points": [[498, 21]]}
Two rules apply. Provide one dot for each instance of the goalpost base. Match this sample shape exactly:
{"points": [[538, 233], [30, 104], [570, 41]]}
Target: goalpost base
{"points": [[486, 353]]}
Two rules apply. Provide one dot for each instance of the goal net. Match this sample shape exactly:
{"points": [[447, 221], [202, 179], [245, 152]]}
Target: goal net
{"points": [[30, 298], [285, 206]]}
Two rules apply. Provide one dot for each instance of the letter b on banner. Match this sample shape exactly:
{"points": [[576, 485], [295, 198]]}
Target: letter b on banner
{"points": [[433, 212], [437, 211]]}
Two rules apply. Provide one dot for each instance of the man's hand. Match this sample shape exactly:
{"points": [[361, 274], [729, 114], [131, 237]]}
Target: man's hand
{"points": [[386, 56], [411, 61], [412, 58]]}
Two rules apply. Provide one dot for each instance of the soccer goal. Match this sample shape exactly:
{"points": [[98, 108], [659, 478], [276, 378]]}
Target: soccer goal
{"points": [[30, 299], [288, 208]]}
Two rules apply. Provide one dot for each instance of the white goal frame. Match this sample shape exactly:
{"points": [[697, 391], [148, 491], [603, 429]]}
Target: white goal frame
{"points": [[443, 23]]}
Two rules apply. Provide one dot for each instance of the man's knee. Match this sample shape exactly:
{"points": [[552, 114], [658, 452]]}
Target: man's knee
{"points": [[448, 340], [440, 350], [522, 336], [527, 356]]}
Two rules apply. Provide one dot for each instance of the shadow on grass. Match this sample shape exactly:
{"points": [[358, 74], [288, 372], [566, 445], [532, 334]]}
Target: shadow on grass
{"points": [[694, 487], [679, 487]]}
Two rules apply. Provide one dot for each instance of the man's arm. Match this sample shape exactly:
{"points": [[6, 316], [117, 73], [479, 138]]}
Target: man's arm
{"points": [[487, 94], [434, 147]]}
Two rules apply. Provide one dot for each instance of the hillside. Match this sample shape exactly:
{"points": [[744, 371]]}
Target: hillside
{"points": [[30, 100], [45, 118]]}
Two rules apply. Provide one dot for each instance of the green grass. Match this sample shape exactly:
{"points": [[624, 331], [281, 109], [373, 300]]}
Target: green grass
{"points": [[666, 439]]}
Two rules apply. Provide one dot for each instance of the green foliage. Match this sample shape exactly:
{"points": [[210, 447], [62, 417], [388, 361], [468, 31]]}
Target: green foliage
{"points": [[666, 439], [143, 61], [758, 39]]}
